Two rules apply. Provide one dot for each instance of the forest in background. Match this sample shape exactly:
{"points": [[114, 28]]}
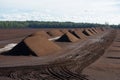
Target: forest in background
{"points": [[42, 24]]}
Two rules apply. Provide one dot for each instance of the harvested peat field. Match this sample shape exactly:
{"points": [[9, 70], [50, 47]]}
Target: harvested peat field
{"points": [[60, 54]]}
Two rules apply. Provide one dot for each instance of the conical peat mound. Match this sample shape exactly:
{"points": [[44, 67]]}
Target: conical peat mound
{"points": [[54, 33], [87, 32], [90, 29], [95, 30], [35, 45], [68, 37], [41, 33], [80, 34]]}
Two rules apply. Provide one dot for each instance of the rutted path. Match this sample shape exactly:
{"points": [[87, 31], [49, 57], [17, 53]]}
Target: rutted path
{"points": [[64, 67], [108, 66]]}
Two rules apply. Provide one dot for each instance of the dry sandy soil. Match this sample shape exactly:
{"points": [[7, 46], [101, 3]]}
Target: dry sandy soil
{"points": [[66, 64]]}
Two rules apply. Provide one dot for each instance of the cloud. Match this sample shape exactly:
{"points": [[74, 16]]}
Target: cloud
{"points": [[95, 11], [28, 16]]}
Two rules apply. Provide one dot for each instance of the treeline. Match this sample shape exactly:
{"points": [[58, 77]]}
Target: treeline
{"points": [[42, 24], [115, 26], [13, 24]]}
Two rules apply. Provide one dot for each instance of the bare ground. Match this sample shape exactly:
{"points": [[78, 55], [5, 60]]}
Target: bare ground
{"points": [[108, 66], [65, 65]]}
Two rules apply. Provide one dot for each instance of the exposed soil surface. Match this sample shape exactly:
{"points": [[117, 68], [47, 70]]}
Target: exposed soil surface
{"points": [[66, 64], [108, 66]]}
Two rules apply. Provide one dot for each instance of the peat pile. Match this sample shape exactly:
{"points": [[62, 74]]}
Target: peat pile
{"points": [[78, 34], [68, 37], [54, 33], [64, 31], [41, 33], [87, 32], [93, 29], [34, 45]]}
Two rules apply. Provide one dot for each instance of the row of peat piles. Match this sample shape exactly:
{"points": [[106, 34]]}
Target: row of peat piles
{"points": [[43, 43]]}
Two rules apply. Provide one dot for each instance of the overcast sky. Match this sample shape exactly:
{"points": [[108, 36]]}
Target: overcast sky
{"points": [[92, 11]]}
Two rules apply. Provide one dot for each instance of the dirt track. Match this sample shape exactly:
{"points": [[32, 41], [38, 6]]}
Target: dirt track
{"points": [[108, 66], [65, 66]]}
